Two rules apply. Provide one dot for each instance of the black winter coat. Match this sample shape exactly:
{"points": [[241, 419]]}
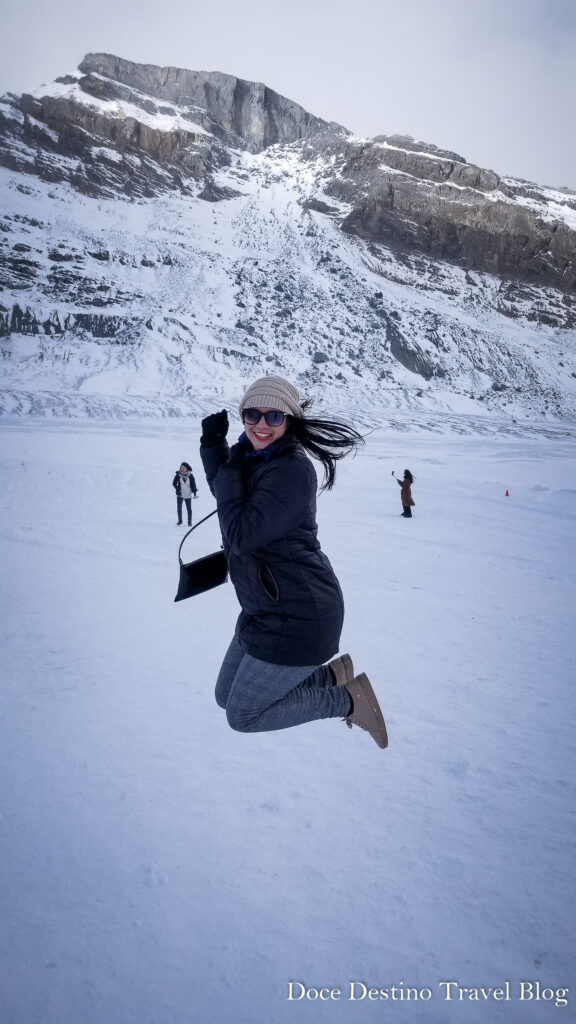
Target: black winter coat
{"points": [[292, 605]]}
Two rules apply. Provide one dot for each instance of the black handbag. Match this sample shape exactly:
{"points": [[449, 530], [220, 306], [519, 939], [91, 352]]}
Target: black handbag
{"points": [[202, 574]]}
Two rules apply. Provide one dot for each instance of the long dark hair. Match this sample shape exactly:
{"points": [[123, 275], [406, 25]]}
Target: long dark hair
{"points": [[408, 476], [325, 440]]}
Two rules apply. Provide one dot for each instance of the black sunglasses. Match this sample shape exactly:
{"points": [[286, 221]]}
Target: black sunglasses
{"points": [[274, 418]]}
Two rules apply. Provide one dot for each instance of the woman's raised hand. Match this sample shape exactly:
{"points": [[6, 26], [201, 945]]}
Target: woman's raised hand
{"points": [[214, 429]]}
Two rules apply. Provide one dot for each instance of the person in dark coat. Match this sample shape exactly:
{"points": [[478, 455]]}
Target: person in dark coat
{"points": [[406, 493], [292, 610], [185, 487]]}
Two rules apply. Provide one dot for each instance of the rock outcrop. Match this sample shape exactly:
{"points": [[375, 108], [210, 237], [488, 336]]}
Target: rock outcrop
{"points": [[239, 113], [469, 229], [139, 130], [420, 199]]}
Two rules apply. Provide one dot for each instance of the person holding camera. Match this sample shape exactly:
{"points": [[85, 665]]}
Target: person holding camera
{"points": [[406, 493]]}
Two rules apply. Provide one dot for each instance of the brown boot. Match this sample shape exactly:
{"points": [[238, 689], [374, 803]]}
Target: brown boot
{"points": [[366, 711], [342, 669]]}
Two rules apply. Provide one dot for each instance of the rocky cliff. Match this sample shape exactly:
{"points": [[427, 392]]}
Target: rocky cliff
{"points": [[181, 218], [240, 113], [420, 199]]}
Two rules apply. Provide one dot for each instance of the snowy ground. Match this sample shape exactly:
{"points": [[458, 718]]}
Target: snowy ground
{"points": [[158, 868]]}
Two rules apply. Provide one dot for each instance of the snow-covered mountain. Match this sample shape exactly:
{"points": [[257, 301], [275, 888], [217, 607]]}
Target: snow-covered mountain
{"points": [[166, 235]]}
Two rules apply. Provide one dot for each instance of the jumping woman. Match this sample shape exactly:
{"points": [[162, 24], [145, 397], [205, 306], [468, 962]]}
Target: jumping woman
{"points": [[274, 674]]}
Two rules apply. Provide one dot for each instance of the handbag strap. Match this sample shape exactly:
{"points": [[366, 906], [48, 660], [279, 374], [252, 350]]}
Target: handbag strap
{"points": [[199, 523]]}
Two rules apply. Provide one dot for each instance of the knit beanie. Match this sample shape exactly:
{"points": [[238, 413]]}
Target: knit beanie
{"points": [[272, 393]]}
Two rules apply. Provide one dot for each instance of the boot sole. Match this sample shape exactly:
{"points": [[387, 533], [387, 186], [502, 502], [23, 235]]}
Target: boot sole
{"points": [[363, 696]]}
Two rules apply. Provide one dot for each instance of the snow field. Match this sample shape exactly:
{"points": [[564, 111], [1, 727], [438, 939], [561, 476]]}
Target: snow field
{"points": [[159, 867]]}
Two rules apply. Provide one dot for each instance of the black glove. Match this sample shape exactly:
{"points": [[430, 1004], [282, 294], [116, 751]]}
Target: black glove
{"points": [[214, 429]]}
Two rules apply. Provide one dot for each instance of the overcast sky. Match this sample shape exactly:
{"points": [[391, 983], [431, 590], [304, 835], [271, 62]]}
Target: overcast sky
{"points": [[494, 80]]}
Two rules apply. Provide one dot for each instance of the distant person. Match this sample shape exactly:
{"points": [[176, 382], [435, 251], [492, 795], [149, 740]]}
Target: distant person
{"points": [[185, 487], [274, 674], [405, 493]]}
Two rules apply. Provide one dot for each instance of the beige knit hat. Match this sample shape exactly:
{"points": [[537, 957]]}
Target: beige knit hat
{"points": [[272, 393]]}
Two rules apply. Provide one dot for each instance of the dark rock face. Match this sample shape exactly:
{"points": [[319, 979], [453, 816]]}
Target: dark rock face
{"points": [[409, 354], [211, 113], [114, 328], [240, 113], [213, 193], [430, 163], [429, 203], [101, 157], [80, 128], [117, 329], [488, 235]]}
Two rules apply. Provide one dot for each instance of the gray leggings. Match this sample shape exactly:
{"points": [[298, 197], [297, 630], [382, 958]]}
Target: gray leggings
{"points": [[260, 697]]}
